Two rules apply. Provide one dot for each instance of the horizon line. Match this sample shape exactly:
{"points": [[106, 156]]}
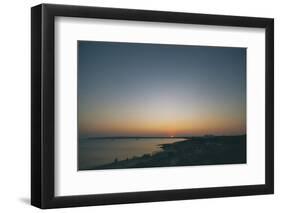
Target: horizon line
{"points": [[185, 136]]}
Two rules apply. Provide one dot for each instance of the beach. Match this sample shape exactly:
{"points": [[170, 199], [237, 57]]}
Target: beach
{"points": [[207, 150]]}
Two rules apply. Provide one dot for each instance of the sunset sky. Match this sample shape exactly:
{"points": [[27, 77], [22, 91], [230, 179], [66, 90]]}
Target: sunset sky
{"points": [[130, 89]]}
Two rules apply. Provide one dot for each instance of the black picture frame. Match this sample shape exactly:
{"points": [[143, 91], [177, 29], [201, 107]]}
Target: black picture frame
{"points": [[43, 102]]}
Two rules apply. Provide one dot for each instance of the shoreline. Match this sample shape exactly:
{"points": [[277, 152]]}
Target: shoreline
{"points": [[208, 150]]}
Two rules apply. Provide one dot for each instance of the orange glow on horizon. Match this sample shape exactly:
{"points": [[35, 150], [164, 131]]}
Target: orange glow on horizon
{"points": [[194, 126]]}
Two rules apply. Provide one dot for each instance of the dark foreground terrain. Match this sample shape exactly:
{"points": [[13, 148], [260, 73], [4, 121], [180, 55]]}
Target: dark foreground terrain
{"points": [[193, 151]]}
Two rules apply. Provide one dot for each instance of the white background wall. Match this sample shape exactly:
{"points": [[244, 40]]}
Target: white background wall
{"points": [[15, 105]]}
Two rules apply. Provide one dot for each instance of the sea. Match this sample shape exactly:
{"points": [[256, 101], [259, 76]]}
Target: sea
{"points": [[94, 152]]}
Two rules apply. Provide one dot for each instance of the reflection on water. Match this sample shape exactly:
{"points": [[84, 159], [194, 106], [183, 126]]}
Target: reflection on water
{"points": [[95, 152]]}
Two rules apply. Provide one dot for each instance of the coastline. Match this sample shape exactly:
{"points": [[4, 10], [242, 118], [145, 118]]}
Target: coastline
{"points": [[210, 150]]}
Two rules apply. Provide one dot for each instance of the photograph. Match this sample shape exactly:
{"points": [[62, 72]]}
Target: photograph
{"points": [[144, 105], [138, 105]]}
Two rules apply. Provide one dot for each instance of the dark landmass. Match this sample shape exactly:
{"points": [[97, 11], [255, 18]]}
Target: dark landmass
{"points": [[208, 150]]}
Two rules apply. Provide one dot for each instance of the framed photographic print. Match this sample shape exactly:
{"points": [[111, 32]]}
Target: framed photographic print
{"points": [[139, 106]]}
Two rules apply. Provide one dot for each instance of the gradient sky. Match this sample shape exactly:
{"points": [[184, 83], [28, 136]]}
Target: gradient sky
{"points": [[133, 89]]}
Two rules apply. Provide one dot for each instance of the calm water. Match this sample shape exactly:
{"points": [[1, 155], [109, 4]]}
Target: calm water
{"points": [[95, 152]]}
